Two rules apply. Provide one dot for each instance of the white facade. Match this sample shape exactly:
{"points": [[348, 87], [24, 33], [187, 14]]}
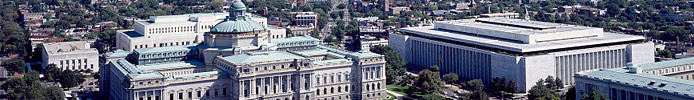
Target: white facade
{"points": [[77, 55], [241, 61], [172, 30], [305, 18], [524, 60]]}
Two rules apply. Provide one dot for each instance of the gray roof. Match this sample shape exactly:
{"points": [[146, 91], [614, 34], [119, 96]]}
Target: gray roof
{"points": [[68, 47], [135, 35], [643, 80], [665, 64], [262, 56], [117, 53], [237, 25], [510, 35], [165, 49]]}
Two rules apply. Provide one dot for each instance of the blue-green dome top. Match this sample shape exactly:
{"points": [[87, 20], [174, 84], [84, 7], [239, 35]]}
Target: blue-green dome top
{"points": [[237, 21], [237, 25], [237, 5]]}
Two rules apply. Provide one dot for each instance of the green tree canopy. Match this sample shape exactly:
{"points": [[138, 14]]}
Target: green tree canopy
{"points": [[594, 95], [429, 81], [450, 78]]}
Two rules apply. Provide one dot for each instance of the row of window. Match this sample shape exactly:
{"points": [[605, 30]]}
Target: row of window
{"points": [[198, 94], [171, 29], [332, 78], [671, 70], [333, 90], [372, 73], [166, 44], [75, 64]]}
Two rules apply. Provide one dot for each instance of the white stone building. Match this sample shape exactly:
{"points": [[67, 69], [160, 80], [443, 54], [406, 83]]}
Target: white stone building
{"points": [[521, 50], [172, 30], [241, 60], [76, 55]]}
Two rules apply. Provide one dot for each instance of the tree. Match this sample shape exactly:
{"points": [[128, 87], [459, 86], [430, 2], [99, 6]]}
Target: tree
{"points": [[549, 82], [395, 66], [475, 84], [594, 95], [665, 53], [541, 92], [52, 72], [341, 6], [477, 95], [71, 78], [432, 97], [570, 94], [450, 78], [28, 87], [559, 83], [14, 65], [429, 81]]}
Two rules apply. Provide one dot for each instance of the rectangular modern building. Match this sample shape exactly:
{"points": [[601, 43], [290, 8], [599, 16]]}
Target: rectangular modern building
{"points": [[522, 50], [77, 55], [668, 80]]}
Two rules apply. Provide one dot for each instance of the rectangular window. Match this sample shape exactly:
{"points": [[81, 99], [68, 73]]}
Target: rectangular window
{"points": [[190, 94], [180, 95], [198, 93], [224, 90]]}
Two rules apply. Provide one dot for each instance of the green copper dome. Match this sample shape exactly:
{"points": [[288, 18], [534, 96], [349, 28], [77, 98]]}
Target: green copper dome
{"points": [[237, 21], [237, 25], [237, 5]]}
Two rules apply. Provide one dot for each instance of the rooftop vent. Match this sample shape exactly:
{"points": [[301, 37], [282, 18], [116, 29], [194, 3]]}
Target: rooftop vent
{"points": [[651, 83], [662, 84], [633, 68]]}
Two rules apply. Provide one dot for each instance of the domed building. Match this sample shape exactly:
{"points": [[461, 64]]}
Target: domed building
{"points": [[238, 61]]}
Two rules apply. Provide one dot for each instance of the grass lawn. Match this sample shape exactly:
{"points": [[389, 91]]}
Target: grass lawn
{"points": [[398, 88], [404, 90], [392, 97]]}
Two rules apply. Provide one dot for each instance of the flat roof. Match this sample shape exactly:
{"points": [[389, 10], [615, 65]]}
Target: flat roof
{"points": [[643, 80], [262, 56], [666, 64], [165, 49], [170, 65], [517, 46], [68, 47], [135, 35]]}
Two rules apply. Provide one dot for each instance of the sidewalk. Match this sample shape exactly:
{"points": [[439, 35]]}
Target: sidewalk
{"points": [[399, 96]]}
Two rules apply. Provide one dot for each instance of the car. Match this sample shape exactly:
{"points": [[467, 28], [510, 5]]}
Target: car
{"points": [[457, 91]]}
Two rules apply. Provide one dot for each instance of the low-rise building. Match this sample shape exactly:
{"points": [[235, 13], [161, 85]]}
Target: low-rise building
{"points": [[667, 80], [77, 55], [521, 50]]}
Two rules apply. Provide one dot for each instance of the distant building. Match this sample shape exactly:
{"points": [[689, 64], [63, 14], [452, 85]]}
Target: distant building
{"points": [[367, 42], [501, 15], [305, 18], [302, 30], [668, 80], [77, 55], [521, 50], [398, 10]]}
